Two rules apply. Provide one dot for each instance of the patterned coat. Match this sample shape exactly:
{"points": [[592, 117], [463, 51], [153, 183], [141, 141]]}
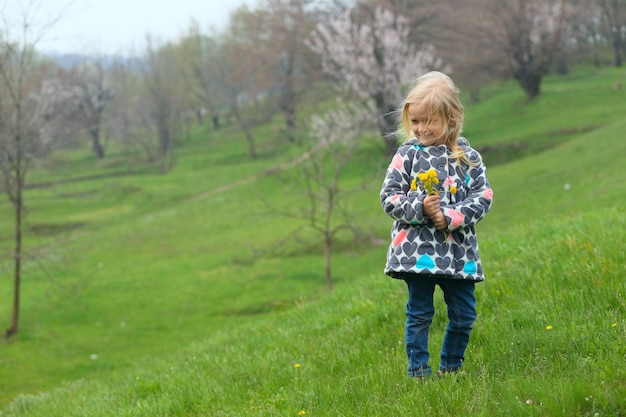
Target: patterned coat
{"points": [[416, 245]]}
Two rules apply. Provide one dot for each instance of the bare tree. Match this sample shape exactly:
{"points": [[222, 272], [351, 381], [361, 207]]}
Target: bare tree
{"points": [[199, 56], [20, 124], [128, 113], [289, 22], [613, 18], [528, 33], [373, 61], [164, 88], [588, 40], [246, 75], [337, 136]]}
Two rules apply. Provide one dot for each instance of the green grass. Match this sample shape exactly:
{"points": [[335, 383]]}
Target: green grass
{"points": [[505, 127], [146, 301], [342, 355]]}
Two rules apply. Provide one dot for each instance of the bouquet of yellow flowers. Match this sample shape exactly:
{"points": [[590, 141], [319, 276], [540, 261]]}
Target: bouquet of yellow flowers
{"points": [[428, 179]]}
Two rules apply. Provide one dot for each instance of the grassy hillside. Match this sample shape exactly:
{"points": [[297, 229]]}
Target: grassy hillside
{"points": [[164, 298]]}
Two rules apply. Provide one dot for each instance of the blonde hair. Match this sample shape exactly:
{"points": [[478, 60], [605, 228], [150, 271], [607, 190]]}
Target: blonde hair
{"points": [[440, 95]]}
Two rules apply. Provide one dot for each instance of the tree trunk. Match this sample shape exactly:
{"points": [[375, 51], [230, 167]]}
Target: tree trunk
{"points": [[617, 50], [290, 124], [17, 277], [530, 83], [561, 65], [327, 256], [165, 142], [251, 147], [244, 128], [96, 145], [288, 99], [199, 117], [17, 274]]}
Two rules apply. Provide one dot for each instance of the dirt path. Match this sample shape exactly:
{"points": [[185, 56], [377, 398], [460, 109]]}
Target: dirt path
{"points": [[247, 180]]}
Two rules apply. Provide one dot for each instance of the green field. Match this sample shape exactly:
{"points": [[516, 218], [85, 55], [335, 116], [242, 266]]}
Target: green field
{"points": [[186, 294]]}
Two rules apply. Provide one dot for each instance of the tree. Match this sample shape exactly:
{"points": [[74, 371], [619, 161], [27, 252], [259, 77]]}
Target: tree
{"points": [[129, 117], [245, 74], [77, 99], [93, 95], [200, 70], [529, 34], [583, 38], [373, 61], [337, 136], [20, 126], [288, 23], [164, 90], [613, 18]]}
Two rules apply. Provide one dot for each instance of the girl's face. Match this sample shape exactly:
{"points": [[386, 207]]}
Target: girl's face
{"points": [[428, 128]]}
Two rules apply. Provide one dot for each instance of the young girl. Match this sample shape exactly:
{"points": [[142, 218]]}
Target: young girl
{"points": [[436, 190]]}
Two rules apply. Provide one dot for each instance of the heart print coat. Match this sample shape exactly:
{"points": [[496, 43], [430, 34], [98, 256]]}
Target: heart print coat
{"points": [[466, 197]]}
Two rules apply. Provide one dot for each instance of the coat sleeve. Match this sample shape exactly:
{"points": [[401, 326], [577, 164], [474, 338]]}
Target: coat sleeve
{"points": [[475, 205], [396, 197]]}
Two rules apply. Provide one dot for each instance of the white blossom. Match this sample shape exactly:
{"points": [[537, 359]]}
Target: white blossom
{"points": [[373, 62]]}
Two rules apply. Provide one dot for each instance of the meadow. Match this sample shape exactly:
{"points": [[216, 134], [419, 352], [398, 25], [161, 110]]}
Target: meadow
{"points": [[186, 294]]}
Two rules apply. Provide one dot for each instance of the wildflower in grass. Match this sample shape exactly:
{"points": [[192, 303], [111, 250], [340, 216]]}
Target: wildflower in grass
{"points": [[549, 327], [297, 365], [614, 325], [301, 412]]}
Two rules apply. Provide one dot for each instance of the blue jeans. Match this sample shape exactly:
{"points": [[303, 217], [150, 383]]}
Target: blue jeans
{"points": [[459, 297]]}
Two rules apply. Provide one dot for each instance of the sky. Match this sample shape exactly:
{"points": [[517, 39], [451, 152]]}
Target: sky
{"points": [[117, 26]]}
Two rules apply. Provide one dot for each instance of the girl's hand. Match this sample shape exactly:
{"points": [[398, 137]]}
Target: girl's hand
{"points": [[432, 209], [431, 205], [440, 221]]}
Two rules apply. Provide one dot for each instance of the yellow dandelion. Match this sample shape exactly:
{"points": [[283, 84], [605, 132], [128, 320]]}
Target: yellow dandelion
{"points": [[297, 365], [614, 325], [427, 179], [549, 327], [414, 184], [301, 412], [453, 189]]}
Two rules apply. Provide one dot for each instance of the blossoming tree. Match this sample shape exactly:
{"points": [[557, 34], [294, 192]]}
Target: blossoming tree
{"points": [[373, 62], [324, 207]]}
